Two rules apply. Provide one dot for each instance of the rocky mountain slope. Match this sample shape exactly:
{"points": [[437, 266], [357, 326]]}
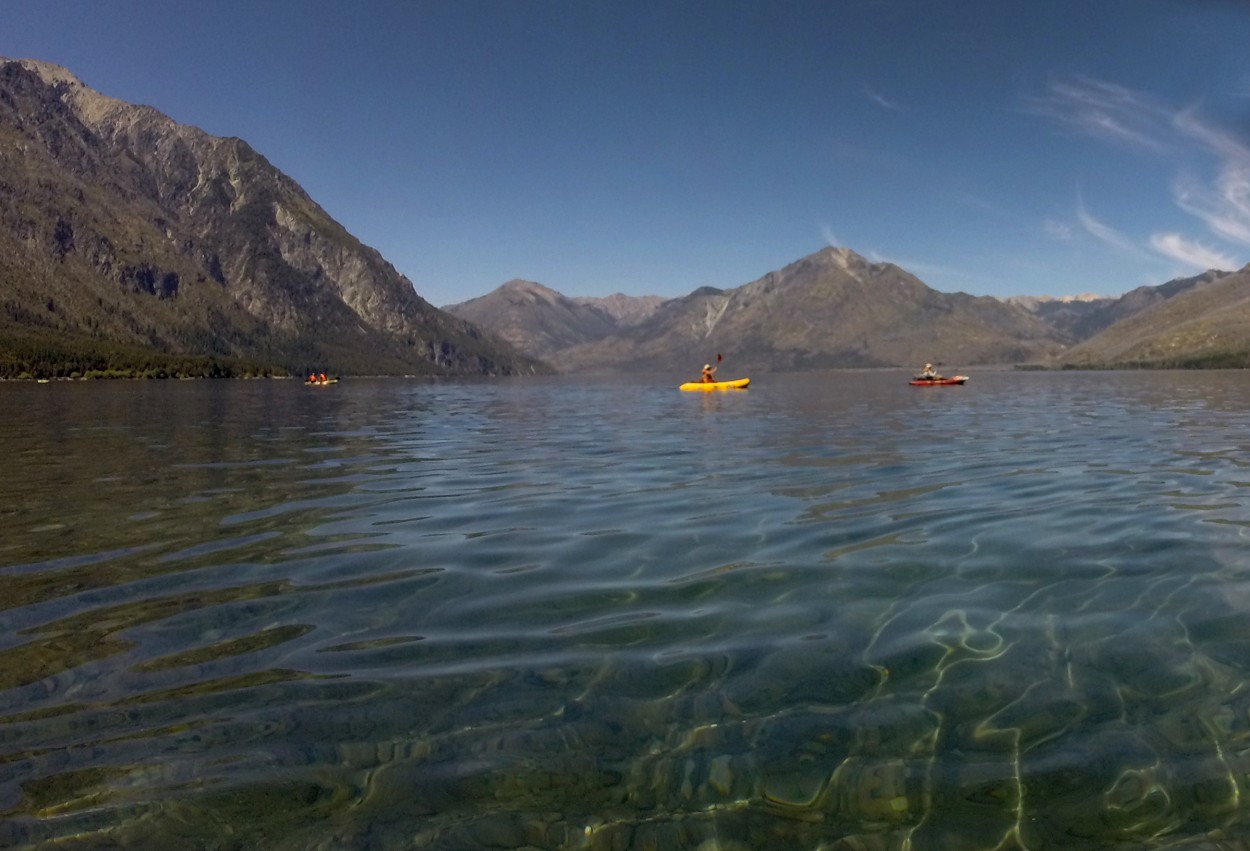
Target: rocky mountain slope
{"points": [[627, 310], [1083, 317], [1198, 322], [125, 236], [535, 318]]}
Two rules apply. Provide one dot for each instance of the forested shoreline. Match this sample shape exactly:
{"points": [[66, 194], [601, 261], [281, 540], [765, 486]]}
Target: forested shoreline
{"points": [[34, 357]]}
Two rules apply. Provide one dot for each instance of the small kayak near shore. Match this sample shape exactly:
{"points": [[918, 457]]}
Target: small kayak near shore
{"points": [[321, 383], [736, 384], [938, 382]]}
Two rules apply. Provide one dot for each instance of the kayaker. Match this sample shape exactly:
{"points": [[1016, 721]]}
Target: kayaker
{"points": [[709, 373], [928, 372], [323, 378]]}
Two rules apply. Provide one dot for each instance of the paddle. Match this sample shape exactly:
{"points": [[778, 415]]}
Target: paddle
{"points": [[707, 373]]}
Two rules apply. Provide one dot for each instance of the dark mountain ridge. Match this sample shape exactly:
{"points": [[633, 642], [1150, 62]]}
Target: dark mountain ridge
{"points": [[126, 236]]}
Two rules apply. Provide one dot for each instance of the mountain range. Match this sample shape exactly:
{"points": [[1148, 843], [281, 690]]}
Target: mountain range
{"points": [[127, 239], [835, 309], [132, 243]]}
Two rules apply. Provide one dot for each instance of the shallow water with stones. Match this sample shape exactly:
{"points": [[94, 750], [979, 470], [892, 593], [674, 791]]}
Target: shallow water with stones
{"points": [[829, 612]]}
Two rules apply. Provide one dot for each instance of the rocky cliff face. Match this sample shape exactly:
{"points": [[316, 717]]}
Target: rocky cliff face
{"points": [[121, 225]]}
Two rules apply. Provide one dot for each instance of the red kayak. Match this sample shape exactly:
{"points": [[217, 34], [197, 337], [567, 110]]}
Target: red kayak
{"points": [[938, 382]]}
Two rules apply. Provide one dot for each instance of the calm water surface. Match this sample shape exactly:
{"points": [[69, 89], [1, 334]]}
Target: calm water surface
{"points": [[830, 612]]}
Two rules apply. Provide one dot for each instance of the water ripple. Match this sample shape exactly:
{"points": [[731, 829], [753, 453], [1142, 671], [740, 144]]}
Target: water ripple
{"points": [[828, 612]]}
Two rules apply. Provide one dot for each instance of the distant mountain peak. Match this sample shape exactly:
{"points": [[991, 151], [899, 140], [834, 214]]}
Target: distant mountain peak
{"points": [[523, 285], [834, 257], [843, 257], [1054, 299], [91, 106], [530, 291], [47, 71], [533, 317]]}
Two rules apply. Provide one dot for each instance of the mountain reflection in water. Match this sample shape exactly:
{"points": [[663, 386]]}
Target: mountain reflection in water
{"points": [[829, 612]]}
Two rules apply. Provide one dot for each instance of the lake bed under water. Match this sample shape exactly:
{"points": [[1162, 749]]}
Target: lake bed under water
{"points": [[829, 612]]}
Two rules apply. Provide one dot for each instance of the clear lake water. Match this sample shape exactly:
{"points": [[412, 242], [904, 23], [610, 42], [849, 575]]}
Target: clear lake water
{"points": [[831, 612]]}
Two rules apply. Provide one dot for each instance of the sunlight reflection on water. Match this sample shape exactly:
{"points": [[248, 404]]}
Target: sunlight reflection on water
{"points": [[832, 611]]}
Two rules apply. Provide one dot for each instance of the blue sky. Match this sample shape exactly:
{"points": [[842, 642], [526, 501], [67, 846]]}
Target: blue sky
{"points": [[655, 146]]}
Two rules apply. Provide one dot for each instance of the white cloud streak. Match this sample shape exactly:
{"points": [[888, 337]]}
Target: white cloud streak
{"points": [[1103, 232], [1116, 114], [881, 100], [1227, 147], [1191, 253], [1223, 207], [1104, 111]]}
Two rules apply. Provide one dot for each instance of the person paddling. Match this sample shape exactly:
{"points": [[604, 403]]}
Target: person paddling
{"points": [[928, 372], [709, 371]]}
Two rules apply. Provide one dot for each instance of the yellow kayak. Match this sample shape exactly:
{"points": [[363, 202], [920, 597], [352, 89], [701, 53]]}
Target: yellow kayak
{"points": [[736, 384]]}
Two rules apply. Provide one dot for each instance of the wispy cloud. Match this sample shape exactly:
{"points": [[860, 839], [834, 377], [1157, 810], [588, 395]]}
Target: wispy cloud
{"points": [[1224, 206], [1105, 111], [1120, 115], [881, 100], [1190, 253], [830, 237], [1104, 232], [1224, 145], [1061, 231]]}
